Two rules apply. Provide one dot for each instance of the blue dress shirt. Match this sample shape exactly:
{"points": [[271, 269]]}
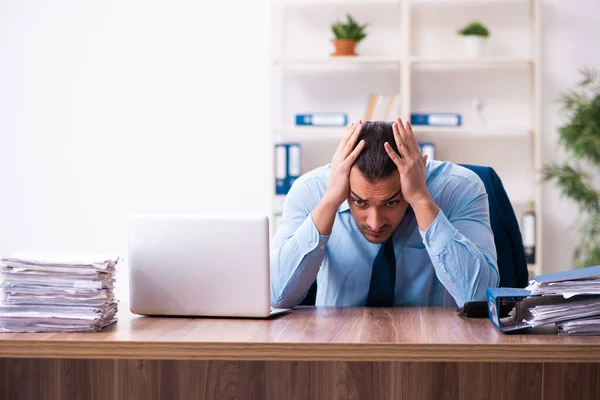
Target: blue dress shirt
{"points": [[452, 262]]}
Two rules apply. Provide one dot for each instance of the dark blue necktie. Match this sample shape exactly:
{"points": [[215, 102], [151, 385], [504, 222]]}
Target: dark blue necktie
{"points": [[383, 277]]}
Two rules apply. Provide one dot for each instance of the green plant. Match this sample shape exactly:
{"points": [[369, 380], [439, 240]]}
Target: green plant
{"points": [[474, 29], [349, 30], [580, 137]]}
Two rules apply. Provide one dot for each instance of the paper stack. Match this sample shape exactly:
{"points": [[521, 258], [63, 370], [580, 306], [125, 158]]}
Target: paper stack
{"points": [[579, 311], [51, 293], [569, 299], [586, 326]]}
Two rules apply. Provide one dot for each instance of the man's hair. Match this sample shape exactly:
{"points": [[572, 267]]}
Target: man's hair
{"points": [[373, 161]]}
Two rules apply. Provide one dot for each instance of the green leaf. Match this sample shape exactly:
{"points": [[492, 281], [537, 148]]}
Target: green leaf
{"points": [[580, 138], [474, 29], [349, 30], [574, 184]]}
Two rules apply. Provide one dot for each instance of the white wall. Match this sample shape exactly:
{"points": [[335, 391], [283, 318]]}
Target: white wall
{"points": [[114, 107], [570, 32]]}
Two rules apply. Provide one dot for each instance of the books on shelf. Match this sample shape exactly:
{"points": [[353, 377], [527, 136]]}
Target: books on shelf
{"points": [[427, 148], [436, 119], [322, 119], [288, 166], [382, 107]]}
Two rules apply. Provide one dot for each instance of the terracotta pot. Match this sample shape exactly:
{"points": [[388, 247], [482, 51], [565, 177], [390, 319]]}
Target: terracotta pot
{"points": [[344, 47]]}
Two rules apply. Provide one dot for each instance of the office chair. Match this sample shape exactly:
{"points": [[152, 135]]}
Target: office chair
{"points": [[505, 227]]}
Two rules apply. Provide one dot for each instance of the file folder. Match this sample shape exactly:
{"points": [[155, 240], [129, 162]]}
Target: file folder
{"points": [[436, 119], [322, 119], [280, 169], [550, 298], [501, 301], [288, 166]]}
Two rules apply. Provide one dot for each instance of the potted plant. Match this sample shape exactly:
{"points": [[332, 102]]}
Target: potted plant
{"points": [[347, 35], [580, 138], [475, 35]]}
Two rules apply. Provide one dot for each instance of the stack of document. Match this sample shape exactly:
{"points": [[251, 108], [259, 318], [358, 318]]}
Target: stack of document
{"points": [[586, 326], [51, 293], [569, 299], [567, 283], [560, 311], [582, 288]]}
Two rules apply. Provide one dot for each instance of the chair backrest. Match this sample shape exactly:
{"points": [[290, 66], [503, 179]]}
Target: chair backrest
{"points": [[512, 264], [505, 227]]}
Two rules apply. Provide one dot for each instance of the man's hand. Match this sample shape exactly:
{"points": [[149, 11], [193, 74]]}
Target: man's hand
{"points": [[410, 163], [338, 188], [345, 155], [413, 174]]}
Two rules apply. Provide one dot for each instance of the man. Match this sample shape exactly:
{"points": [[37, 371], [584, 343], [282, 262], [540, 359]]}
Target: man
{"points": [[382, 226]]}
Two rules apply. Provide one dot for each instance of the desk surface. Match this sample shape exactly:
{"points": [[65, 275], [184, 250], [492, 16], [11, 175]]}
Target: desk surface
{"points": [[308, 333]]}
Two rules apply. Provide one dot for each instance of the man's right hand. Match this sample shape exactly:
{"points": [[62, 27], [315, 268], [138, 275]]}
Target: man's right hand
{"points": [[343, 159], [339, 182]]}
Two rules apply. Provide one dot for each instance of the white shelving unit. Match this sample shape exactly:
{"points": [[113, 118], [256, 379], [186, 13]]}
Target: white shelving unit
{"points": [[412, 49]]}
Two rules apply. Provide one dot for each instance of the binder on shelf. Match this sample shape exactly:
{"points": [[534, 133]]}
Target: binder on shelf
{"points": [[322, 119], [288, 166], [528, 231], [294, 164], [280, 169], [436, 119], [427, 148]]}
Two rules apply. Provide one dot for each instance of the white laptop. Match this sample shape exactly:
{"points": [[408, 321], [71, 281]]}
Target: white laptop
{"points": [[200, 265]]}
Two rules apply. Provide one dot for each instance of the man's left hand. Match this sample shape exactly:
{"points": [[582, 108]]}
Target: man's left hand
{"points": [[410, 163]]}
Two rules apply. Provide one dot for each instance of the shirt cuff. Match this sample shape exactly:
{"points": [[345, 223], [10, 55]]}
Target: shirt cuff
{"points": [[439, 234], [308, 237]]}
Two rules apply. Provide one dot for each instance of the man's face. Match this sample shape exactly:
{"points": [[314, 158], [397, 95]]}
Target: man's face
{"points": [[377, 207]]}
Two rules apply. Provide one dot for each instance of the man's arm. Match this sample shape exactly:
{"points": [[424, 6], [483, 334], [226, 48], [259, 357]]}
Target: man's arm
{"points": [[298, 248], [461, 246], [461, 249], [299, 245]]}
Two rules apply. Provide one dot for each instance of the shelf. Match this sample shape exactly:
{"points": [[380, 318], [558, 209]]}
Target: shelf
{"points": [[472, 132], [329, 133], [337, 61], [473, 61]]}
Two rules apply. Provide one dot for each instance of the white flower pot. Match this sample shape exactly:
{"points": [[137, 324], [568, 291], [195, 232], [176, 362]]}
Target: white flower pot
{"points": [[475, 45]]}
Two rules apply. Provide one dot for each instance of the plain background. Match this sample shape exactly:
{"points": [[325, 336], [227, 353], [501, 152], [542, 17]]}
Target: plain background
{"points": [[114, 107]]}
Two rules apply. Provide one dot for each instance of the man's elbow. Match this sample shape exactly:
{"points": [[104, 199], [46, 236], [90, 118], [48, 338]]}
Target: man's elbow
{"points": [[284, 302]]}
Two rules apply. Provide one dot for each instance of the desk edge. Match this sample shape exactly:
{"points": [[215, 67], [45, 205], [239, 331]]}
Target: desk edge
{"points": [[414, 352]]}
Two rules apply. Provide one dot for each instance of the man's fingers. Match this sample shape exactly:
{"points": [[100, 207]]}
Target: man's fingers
{"points": [[393, 155], [348, 134], [425, 159], [351, 143], [354, 154], [405, 137], [398, 138]]}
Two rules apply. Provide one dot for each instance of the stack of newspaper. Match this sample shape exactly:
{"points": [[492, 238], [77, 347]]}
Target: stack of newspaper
{"points": [[51, 293]]}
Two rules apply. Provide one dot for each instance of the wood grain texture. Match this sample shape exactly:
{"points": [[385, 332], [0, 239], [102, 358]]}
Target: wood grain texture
{"points": [[428, 334], [571, 381], [143, 379]]}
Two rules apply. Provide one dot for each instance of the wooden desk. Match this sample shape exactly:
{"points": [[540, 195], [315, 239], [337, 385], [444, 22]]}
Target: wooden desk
{"points": [[320, 353]]}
